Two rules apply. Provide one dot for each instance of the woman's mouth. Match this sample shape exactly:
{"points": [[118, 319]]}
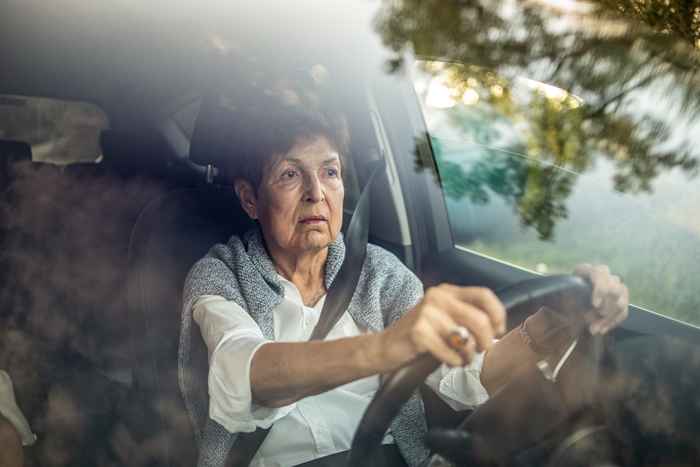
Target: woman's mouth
{"points": [[313, 220]]}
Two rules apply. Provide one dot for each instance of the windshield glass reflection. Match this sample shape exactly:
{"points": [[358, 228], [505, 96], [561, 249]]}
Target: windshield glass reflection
{"points": [[563, 134]]}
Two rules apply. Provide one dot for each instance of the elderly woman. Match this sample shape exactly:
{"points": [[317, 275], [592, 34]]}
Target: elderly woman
{"points": [[256, 301]]}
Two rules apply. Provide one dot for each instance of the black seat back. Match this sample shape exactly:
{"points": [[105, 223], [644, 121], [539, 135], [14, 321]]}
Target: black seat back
{"points": [[172, 232], [11, 152]]}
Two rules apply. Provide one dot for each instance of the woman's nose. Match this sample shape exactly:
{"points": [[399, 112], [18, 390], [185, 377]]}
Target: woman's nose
{"points": [[314, 189]]}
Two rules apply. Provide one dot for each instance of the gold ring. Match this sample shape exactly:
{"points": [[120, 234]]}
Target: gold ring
{"points": [[458, 337]]}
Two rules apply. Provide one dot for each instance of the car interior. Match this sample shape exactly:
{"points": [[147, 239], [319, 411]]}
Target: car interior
{"points": [[110, 241], [171, 214]]}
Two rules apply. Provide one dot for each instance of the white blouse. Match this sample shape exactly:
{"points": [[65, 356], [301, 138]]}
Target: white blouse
{"points": [[313, 427]]}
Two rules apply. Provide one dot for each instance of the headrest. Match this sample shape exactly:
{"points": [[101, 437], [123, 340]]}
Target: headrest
{"points": [[213, 123], [145, 153]]}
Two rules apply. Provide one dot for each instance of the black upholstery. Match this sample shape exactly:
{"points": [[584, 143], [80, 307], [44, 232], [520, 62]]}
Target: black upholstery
{"points": [[11, 152], [172, 232], [148, 153], [212, 124]]}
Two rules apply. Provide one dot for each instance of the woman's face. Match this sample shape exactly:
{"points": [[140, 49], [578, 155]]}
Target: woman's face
{"points": [[299, 203]]}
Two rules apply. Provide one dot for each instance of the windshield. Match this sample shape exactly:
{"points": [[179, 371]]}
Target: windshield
{"points": [[518, 139]]}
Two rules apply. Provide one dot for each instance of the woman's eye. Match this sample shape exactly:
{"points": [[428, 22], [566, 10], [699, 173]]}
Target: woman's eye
{"points": [[332, 172], [289, 174]]}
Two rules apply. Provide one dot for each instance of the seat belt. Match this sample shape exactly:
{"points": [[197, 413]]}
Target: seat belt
{"points": [[337, 301], [345, 282]]}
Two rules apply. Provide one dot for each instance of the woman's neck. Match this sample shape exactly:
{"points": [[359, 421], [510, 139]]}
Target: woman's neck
{"points": [[305, 270]]}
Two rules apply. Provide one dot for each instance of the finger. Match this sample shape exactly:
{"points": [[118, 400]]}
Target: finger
{"points": [[614, 288], [586, 271], [474, 319], [600, 278], [613, 311], [622, 306], [445, 326], [615, 298], [583, 269], [465, 314], [600, 324], [439, 319], [613, 324], [484, 299], [434, 343], [623, 302], [620, 318], [604, 315]]}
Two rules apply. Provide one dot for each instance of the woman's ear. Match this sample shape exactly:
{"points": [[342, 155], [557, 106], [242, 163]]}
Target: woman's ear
{"points": [[246, 196]]}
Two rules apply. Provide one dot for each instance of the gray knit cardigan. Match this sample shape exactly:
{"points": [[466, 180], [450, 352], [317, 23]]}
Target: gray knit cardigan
{"points": [[243, 272]]}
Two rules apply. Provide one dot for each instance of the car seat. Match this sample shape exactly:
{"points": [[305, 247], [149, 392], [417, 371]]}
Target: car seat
{"points": [[10, 153], [61, 245], [172, 232]]}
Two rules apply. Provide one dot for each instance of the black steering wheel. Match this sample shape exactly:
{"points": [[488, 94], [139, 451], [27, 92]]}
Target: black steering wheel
{"points": [[560, 292]]}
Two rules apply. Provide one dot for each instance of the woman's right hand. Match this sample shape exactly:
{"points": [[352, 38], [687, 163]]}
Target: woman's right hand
{"points": [[443, 309]]}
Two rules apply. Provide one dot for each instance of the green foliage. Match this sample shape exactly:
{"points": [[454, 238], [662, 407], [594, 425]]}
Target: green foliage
{"points": [[680, 18]]}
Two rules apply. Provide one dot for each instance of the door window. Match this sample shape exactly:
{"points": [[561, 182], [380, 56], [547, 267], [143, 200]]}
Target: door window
{"points": [[531, 178]]}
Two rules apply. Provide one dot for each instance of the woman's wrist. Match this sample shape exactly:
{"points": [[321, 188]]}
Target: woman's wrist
{"points": [[370, 353], [394, 349]]}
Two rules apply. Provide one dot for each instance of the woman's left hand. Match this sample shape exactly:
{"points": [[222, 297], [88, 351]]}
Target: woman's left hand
{"points": [[610, 298]]}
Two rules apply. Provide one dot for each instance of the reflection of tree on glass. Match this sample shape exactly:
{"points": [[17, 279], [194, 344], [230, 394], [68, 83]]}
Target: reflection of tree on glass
{"points": [[612, 70], [601, 163], [677, 18], [491, 119]]}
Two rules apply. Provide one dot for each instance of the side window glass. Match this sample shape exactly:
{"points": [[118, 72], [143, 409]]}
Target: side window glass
{"points": [[530, 178]]}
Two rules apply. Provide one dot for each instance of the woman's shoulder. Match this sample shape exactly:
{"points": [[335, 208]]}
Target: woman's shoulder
{"points": [[213, 274], [396, 286], [380, 258], [224, 252], [383, 264], [217, 259]]}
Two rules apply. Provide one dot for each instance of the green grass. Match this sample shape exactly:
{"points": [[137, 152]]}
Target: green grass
{"points": [[659, 266]]}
